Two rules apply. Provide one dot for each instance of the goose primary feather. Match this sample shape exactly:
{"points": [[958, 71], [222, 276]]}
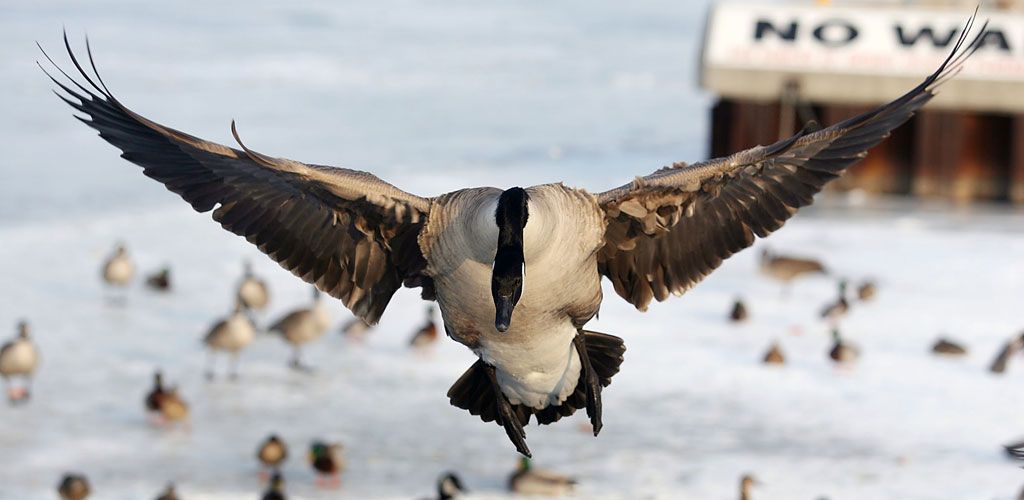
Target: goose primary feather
{"points": [[516, 273]]}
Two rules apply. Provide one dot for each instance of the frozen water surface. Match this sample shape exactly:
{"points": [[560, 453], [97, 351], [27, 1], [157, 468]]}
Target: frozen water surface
{"points": [[433, 96]]}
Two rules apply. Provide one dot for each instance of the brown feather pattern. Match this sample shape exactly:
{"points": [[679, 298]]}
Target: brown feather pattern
{"points": [[670, 229], [348, 232]]}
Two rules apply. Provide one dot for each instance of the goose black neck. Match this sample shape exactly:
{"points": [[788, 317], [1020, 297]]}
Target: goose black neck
{"points": [[507, 276]]}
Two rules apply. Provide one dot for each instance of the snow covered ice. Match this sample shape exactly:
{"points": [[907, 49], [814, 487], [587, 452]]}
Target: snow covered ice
{"points": [[433, 97]]}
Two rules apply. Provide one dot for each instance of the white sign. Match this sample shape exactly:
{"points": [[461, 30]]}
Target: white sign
{"points": [[879, 41]]}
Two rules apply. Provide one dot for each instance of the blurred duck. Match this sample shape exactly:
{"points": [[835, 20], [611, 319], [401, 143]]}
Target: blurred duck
{"points": [[842, 352], [169, 493], [275, 490], [785, 268], [326, 460], [747, 482], [160, 281], [272, 453], [948, 348], [166, 404], [1012, 347], [19, 358], [156, 393], [774, 355], [427, 334], [252, 291], [302, 326], [832, 312], [356, 328], [739, 311], [527, 480], [229, 335], [118, 270], [867, 291], [73, 487], [449, 486]]}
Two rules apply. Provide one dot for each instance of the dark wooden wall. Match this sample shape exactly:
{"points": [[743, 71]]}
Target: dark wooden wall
{"points": [[957, 155]]}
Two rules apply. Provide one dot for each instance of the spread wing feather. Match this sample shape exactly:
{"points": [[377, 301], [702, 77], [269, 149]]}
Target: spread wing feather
{"points": [[670, 229], [348, 232]]}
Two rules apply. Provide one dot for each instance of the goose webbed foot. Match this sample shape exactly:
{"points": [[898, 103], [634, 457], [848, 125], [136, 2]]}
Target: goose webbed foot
{"points": [[592, 383], [507, 418]]}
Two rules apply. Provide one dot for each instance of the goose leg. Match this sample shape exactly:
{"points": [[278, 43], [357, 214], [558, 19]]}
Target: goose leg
{"points": [[593, 383], [211, 362], [296, 361], [506, 417]]}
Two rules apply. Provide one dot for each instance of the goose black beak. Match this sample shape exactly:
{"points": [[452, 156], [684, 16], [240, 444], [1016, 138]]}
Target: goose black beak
{"points": [[503, 307]]}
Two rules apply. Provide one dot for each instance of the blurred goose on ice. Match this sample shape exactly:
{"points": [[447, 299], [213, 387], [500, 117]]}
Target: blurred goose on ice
{"points": [[160, 281], [739, 311], [948, 348], [449, 486], [774, 355], [19, 358], [252, 291], [835, 310], [1013, 346], [327, 462], [787, 268], [230, 335], [73, 487], [356, 328], [275, 490], [165, 404], [842, 352], [303, 326], [272, 453], [527, 480], [516, 272], [427, 334], [747, 482], [867, 291], [169, 493], [118, 269]]}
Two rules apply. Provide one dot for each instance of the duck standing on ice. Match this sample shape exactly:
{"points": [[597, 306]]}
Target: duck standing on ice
{"points": [[516, 272]]}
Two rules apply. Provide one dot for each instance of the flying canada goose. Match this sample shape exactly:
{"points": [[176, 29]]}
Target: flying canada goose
{"points": [[516, 272], [327, 462], [832, 312], [275, 490], [303, 326], [747, 482], [842, 352], [527, 480], [948, 348], [230, 335], [774, 355], [19, 358], [252, 291], [169, 493], [272, 453], [1012, 346], [427, 334], [160, 281], [867, 291], [739, 311], [73, 487], [786, 268], [118, 269]]}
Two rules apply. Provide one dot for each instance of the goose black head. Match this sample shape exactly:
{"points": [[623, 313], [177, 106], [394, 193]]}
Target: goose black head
{"points": [[509, 263]]}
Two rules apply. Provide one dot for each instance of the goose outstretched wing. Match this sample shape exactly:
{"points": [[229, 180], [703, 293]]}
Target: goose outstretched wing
{"points": [[670, 229], [348, 232]]}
